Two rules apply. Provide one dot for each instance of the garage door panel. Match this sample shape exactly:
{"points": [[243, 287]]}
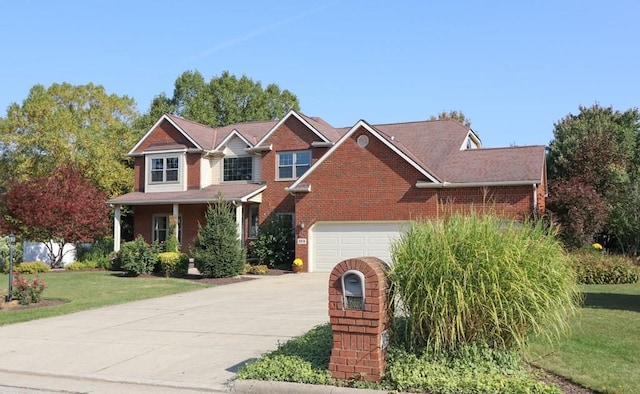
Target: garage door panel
{"points": [[334, 242]]}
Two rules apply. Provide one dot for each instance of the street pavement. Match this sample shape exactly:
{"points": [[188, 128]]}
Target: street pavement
{"points": [[184, 343]]}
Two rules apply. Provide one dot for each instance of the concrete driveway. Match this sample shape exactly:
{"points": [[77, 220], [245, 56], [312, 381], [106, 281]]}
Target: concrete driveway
{"points": [[189, 342]]}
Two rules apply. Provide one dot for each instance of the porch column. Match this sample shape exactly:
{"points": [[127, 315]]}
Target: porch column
{"points": [[116, 229], [176, 213], [240, 222]]}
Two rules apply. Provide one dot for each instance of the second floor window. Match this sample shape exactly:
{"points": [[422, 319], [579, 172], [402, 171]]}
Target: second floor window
{"points": [[164, 169], [291, 165], [238, 169]]}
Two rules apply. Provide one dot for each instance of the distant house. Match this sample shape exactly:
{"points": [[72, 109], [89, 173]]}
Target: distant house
{"points": [[347, 191]]}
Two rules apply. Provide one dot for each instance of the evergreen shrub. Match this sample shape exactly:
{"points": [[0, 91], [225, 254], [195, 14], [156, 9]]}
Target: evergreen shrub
{"points": [[275, 244], [217, 252]]}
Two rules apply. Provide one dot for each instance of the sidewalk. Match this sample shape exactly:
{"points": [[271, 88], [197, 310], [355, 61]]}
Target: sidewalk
{"points": [[189, 342]]}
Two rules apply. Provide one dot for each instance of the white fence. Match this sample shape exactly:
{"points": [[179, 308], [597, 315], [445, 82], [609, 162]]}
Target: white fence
{"points": [[37, 251]]}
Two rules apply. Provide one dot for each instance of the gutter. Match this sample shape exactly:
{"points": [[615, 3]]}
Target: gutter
{"points": [[321, 144], [299, 189], [447, 185], [264, 148]]}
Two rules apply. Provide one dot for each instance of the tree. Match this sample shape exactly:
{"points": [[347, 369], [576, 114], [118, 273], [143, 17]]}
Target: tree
{"points": [[63, 207], [453, 115], [217, 252], [221, 101], [578, 209], [599, 147], [66, 123]]}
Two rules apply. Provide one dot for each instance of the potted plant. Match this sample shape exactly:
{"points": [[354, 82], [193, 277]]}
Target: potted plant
{"points": [[296, 267]]}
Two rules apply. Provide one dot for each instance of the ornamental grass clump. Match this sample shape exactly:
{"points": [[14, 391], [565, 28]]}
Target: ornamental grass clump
{"points": [[481, 279]]}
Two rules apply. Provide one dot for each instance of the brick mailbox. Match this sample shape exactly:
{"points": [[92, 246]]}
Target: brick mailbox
{"points": [[359, 317]]}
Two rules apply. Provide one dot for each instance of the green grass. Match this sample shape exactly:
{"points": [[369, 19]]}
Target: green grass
{"points": [[87, 290], [603, 351]]}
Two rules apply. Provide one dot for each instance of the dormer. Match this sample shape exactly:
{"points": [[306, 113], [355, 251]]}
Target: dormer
{"points": [[234, 161], [471, 141]]}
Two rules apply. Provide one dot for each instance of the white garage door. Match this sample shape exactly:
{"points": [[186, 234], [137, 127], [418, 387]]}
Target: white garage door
{"points": [[332, 242]]}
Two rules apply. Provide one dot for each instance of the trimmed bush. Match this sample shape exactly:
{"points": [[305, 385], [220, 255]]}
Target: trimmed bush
{"points": [[256, 269], [601, 268], [217, 252], [81, 266], [275, 244], [481, 279], [173, 264], [34, 267], [137, 257]]}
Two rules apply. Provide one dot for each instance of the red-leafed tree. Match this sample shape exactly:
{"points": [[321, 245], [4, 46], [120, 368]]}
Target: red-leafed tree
{"points": [[578, 209], [62, 207]]}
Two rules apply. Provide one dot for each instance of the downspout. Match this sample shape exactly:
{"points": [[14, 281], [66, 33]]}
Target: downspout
{"points": [[535, 198]]}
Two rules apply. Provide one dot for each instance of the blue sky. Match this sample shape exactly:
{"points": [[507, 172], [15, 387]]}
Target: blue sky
{"points": [[514, 68]]}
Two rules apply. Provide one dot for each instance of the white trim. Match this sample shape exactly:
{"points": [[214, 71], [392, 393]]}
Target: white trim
{"points": [[443, 185], [117, 236], [372, 131], [155, 125], [301, 119], [221, 145], [163, 152]]}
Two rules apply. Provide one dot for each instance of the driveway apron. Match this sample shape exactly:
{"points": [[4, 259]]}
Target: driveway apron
{"points": [[194, 340]]}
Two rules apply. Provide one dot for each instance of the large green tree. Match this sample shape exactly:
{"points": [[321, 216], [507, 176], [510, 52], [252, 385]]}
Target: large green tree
{"points": [[599, 147], [64, 123], [221, 101]]}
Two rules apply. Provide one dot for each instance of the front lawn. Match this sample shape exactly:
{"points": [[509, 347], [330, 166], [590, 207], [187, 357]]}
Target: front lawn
{"points": [[87, 290], [603, 351]]}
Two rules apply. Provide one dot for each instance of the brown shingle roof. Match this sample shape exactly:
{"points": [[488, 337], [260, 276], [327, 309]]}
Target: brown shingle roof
{"points": [[197, 196], [496, 165]]}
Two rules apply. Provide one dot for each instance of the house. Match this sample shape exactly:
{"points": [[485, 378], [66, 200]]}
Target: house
{"points": [[347, 191]]}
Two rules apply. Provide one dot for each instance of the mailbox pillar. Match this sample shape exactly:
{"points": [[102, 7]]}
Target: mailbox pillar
{"points": [[360, 322]]}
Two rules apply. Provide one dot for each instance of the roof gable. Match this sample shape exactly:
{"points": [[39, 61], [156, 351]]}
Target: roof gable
{"points": [[306, 121], [387, 141], [156, 129]]}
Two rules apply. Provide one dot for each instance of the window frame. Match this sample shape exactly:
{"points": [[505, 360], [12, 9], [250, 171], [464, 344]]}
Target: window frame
{"points": [[238, 158], [294, 164], [164, 170], [254, 216], [155, 231]]}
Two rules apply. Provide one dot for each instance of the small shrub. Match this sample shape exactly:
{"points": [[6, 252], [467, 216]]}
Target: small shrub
{"points": [[601, 268], [173, 264], [171, 244], [479, 279], [256, 269], [217, 252], [34, 267], [137, 257], [27, 292], [81, 266], [98, 252], [275, 244]]}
